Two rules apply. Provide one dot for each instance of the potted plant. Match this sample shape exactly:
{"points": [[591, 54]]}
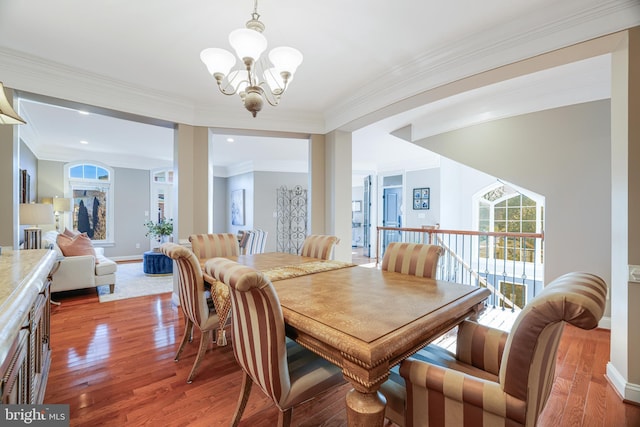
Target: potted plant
{"points": [[159, 230]]}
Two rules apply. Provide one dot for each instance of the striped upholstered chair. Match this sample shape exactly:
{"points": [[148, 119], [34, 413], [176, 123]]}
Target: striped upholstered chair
{"points": [[319, 246], [285, 371], [254, 242], [495, 378], [193, 301], [207, 246], [412, 258]]}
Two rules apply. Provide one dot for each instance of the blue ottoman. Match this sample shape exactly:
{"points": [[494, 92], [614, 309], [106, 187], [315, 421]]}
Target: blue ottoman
{"points": [[156, 263]]}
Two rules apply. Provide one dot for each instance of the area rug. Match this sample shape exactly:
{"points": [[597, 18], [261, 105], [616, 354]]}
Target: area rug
{"points": [[131, 282]]}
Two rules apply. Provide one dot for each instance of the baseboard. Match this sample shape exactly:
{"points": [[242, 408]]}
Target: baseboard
{"points": [[628, 391], [605, 323], [126, 258]]}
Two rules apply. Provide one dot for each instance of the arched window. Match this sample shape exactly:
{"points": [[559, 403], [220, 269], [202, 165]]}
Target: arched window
{"points": [[90, 187], [502, 208]]}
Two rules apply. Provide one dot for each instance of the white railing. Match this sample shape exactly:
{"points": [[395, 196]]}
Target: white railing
{"points": [[510, 265]]}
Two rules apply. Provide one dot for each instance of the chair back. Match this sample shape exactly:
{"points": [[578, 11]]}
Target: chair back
{"points": [[191, 293], [528, 363], [319, 246], [257, 330], [207, 246], [256, 241], [412, 258]]}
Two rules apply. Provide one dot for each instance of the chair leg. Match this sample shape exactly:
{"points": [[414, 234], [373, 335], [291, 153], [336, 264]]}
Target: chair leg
{"points": [[205, 337], [284, 418], [188, 328], [247, 382]]}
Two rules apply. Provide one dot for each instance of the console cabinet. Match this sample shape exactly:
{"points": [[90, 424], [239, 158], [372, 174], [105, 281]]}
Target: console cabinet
{"points": [[25, 352]]}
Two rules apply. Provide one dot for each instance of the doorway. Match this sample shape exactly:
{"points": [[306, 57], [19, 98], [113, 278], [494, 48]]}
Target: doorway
{"points": [[391, 214]]}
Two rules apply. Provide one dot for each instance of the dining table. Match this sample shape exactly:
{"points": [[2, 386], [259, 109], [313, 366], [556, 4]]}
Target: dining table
{"points": [[364, 320]]}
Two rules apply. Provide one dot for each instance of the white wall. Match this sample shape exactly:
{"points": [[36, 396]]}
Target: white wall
{"points": [[416, 218], [244, 182], [260, 201]]}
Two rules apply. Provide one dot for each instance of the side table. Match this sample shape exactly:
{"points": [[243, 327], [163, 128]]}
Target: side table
{"points": [[156, 263]]}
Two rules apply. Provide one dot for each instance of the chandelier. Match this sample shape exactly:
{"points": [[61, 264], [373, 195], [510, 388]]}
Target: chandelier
{"points": [[259, 79]]}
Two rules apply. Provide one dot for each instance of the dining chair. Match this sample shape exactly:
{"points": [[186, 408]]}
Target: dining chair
{"points": [[416, 259], [495, 378], [207, 246], [285, 371], [193, 301], [319, 246], [256, 242]]}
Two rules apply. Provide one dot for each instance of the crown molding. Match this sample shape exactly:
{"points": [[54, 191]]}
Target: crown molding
{"points": [[492, 48], [54, 80]]}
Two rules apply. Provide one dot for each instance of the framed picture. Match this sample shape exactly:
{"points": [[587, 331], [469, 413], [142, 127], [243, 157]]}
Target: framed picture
{"points": [[356, 206], [421, 198], [237, 207]]}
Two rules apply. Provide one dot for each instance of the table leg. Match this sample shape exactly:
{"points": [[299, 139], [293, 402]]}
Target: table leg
{"points": [[365, 409]]}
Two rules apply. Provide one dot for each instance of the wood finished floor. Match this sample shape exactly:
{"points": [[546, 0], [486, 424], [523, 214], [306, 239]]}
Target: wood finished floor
{"points": [[113, 364]]}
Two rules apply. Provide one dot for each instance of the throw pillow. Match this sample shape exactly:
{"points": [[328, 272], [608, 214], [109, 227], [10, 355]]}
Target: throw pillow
{"points": [[75, 246], [70, 233]]}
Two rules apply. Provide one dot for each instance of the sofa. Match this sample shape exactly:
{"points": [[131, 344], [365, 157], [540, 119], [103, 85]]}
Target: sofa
{"points": [[79, 269]]}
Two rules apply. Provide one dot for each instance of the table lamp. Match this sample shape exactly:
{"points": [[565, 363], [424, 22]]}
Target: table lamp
{"points": [[34, 214], [60, 206]]}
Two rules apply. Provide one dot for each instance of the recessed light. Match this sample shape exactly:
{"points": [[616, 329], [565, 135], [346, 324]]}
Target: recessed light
{"points": [[84, 142], [84, 113], [230, 139]]}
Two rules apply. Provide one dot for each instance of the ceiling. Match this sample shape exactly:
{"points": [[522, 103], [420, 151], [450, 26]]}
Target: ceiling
{"points": [[367, 66]]}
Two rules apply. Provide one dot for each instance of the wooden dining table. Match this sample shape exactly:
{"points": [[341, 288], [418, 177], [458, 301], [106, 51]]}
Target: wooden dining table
{"points": [[364, 320]]}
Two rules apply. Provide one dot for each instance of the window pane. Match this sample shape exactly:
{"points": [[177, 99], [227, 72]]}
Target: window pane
{"points": [[484, 212], [514, 214], [514, 227], [500, 214], [529, 213], [103, 175], [90, 212], [90, 172], [514, 201], [76, 172]]}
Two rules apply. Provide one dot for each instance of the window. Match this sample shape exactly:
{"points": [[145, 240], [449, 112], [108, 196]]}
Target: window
{"points": [[501, 208], [89, 185]]}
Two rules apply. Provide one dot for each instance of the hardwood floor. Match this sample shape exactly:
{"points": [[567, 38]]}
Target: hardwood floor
{"points": [[113, 364]]}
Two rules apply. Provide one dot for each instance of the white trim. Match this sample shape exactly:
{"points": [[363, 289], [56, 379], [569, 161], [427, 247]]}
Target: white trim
{"points": [[630, 392]]}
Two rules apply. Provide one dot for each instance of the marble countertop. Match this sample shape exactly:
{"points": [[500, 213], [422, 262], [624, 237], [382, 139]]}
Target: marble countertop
{"points": [[23, 275]]}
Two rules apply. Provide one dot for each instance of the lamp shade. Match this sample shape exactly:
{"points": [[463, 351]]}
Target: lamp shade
{"points": [[248, 43], [8, 116], [61, 204], [217, 60], [36, 214], [285, 58]]}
